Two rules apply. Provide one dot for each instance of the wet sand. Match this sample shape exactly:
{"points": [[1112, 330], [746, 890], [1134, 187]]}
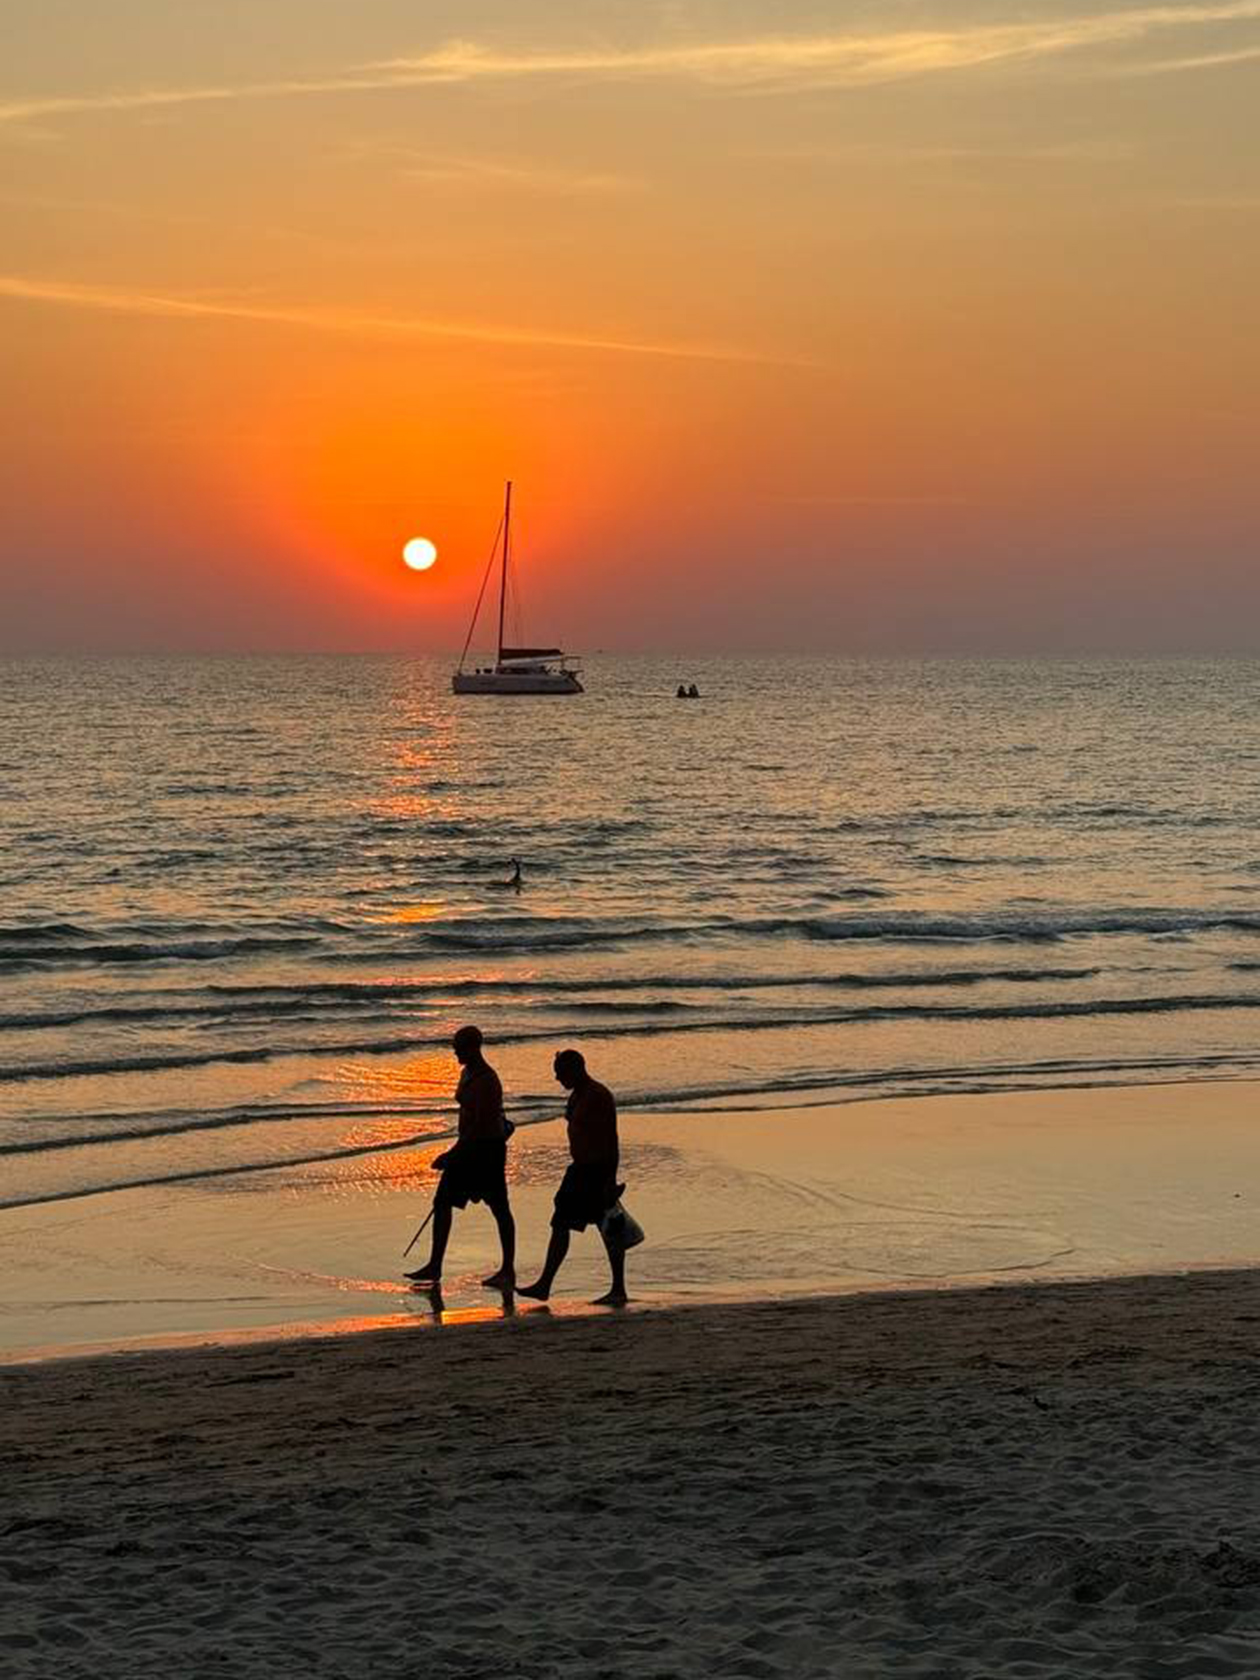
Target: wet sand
{"points": [[765, 1205], [1008, 1483]]}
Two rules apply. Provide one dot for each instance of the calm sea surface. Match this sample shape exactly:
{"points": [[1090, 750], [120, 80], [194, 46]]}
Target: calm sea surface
{"points": [[243, 903]]}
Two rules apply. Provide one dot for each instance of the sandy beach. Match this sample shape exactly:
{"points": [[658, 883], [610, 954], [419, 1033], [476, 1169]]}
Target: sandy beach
{"points": [[955, 1388], [1013, 1482]]}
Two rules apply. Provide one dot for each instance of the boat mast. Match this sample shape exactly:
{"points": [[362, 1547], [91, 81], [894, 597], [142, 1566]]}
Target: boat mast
{"points": [[507, 538]]}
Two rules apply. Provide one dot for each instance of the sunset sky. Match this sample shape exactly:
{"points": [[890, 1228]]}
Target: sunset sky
{"points": [[866, 328]]}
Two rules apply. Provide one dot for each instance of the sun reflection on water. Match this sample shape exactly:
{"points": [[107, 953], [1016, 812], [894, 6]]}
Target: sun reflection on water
{"points": [[408, 913], [425, 1077]]}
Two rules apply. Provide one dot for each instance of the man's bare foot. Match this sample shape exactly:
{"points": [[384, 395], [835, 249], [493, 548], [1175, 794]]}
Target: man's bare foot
{"points": [[614, 1298], [426, 1274], [502, 1279], [535, 1291]]}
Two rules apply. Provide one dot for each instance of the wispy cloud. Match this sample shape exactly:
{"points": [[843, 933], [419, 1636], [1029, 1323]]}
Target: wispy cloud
{"points": [[764, 62], [120, 301], [852, 60], [465, 172], [995, 151], [155, 99], [520, 175], [1197, 61]]}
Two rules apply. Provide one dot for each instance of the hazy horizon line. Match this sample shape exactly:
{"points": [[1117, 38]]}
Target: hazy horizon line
{"points": [[902, 655]]}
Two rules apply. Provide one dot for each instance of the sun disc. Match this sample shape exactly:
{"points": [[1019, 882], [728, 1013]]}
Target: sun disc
{"points": [[419, 554]]}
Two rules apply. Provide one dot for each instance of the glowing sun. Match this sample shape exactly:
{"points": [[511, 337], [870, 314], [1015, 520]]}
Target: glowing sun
{"points": [[419, 553]]}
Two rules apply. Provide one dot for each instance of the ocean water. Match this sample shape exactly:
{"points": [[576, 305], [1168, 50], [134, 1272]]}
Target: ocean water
{"points": [[244, 902]]}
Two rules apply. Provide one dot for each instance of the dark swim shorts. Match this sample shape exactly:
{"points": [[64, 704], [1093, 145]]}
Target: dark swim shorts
{"points": [[475, 1172], [585, 1195]]}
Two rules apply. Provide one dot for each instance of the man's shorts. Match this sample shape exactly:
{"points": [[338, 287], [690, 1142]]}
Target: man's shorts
{"points": [[474, 1172], [585, 1195]]}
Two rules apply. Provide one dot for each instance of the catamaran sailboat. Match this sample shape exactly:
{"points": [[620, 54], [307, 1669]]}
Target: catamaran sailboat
{"points": [[516, 670]]}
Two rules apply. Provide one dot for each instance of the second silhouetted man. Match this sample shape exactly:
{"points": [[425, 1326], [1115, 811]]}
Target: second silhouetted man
{"points": [[589, 1189]]}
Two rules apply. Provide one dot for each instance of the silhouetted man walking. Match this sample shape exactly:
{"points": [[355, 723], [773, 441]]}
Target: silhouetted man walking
{"points": [[475, 1169], [589, 1187]]}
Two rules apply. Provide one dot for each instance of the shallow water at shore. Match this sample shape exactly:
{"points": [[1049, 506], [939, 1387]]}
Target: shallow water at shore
{"points": [[892, 1195], [244, 902]]}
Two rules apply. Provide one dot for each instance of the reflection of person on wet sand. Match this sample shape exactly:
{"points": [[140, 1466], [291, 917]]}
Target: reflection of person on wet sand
{"points": [[475, 1169], [589, 1187]]}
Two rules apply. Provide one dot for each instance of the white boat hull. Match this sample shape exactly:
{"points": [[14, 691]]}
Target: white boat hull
{"points": [[515, 682]]}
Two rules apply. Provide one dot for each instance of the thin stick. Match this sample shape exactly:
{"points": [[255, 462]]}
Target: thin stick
{"points": [[419, 1233]]}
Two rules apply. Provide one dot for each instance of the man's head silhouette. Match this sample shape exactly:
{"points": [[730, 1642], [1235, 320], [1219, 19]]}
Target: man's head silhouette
{"points": [[570, 1066], [467, 1044]]}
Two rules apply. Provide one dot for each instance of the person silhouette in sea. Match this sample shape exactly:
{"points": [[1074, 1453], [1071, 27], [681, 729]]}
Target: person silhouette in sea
{"points": [[475, 1169], [513, 882], [589, 1188]]}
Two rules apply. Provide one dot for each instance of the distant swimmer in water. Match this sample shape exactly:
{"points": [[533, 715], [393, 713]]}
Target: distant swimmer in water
{"points": [[693, 693], [513, 883]]}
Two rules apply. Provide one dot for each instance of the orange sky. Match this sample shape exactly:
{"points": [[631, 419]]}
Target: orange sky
{"points": [[847, 327]]}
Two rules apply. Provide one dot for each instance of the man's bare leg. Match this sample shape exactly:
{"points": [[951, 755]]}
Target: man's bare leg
{"points": [[557, 1248], [505, 1277], [616, 1296], [431, 1271]]}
